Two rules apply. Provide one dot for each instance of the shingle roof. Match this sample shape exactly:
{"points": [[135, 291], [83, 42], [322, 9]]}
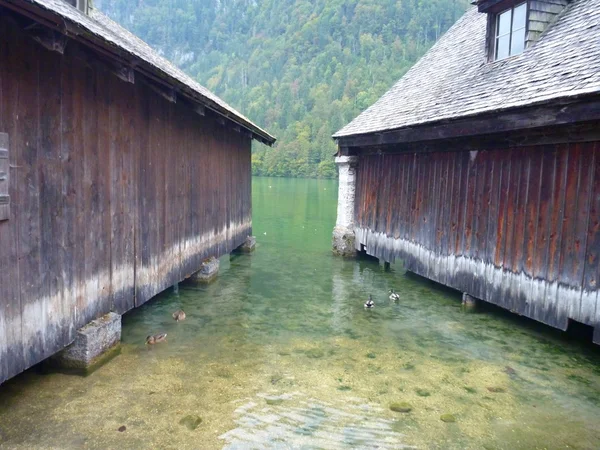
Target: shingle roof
{"points": [[124, 42], [454, 79]]}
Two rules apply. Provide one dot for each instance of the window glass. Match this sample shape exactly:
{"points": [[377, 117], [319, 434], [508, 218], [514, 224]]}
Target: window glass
{"points": [[504, 23], [511, 26], [503, 47], [518, 42], [519, 17]]}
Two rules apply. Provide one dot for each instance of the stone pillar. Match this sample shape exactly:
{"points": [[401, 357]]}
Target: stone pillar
{"points": [[469, 303], [343, 233], [208, 271], [95, 343], [249, 246]]}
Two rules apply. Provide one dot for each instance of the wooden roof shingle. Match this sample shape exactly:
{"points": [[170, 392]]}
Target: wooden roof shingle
{"points": [[455, 80]]}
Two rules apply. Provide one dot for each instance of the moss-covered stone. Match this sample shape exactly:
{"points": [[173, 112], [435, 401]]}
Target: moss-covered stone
{"points": [[191, 422], [344, 388], [496, 389], [423, 392], [448, 418], [315, 353], [402, 407], [371, 355]]}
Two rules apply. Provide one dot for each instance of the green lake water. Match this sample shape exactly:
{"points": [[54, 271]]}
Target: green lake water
{"points": [[279, 353]]}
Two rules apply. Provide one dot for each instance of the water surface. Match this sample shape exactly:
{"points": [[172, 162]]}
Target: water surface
{"points": [[279, 353]]}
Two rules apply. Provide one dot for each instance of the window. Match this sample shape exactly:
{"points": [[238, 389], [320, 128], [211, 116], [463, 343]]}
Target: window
{"points": [[511, 27]]}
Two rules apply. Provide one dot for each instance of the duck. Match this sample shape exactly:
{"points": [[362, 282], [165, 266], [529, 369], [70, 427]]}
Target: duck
{"points": [[393, 296], [156, 338], [370, 303], [179, 315]]}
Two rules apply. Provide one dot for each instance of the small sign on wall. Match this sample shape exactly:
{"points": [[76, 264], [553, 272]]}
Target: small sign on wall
{"points": [[4, 178]]}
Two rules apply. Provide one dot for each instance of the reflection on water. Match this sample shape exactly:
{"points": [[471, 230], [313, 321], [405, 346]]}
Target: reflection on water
{"points": [[280, 353]]}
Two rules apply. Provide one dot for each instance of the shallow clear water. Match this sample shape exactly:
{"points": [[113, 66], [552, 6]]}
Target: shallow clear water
{"points": [[280, 353]]}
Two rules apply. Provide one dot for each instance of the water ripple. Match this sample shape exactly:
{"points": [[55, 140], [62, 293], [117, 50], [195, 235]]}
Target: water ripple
{"points": [[303, 423]]}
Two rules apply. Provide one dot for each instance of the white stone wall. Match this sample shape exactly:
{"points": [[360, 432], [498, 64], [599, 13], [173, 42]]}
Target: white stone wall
{"points": [[346, 193]]}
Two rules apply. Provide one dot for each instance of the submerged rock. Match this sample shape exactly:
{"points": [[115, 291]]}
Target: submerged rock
{"points": [[315, 353], [274, 401], [371, 355], [448, 418], [122, 428], [402, 407], [496, 389], [191, 422], [344, 388], [423, 392]]}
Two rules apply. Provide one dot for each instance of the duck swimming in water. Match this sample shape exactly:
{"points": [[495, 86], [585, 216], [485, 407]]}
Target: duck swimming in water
{"points": [[156, 338], [179, 315], [393, 296], [370, 303]]}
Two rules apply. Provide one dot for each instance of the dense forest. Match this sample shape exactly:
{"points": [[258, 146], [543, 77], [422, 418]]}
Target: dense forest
{"points": [[299, 68]]}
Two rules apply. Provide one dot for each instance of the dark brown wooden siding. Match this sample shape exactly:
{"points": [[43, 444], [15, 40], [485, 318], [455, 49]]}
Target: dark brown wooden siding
{"points": [[116, 194], [517, 227]]}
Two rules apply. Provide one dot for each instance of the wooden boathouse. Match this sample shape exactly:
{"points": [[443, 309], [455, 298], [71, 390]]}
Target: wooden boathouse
{"points": [[480, 168], [119, 175]]}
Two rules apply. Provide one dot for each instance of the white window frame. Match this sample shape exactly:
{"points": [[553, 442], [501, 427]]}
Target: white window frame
{"points": [[496, 37]]}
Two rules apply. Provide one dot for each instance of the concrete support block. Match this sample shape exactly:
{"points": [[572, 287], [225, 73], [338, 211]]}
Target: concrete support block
{"points": [[249, 246], [344, 242], [208, 271], [95, 343], [343, 233], [469, 303]]}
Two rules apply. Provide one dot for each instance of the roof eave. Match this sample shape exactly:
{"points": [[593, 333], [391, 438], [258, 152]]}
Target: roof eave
{"points": [[562, 111], [75, 31]]}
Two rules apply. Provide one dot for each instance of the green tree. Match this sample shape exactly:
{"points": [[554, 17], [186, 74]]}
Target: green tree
{"points": [[300, 68]]}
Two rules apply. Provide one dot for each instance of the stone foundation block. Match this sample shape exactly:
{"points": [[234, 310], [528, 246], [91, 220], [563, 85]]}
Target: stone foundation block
{"points": [[469, 303], [249, 246], [95, 343], [344, 242], [208, 271]]}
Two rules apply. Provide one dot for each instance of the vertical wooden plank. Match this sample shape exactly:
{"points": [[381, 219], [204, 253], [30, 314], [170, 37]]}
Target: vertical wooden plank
{"points": [[519, 239], [530, 234], [546, 209], [512, 213], [34, 311], [52, 225], [480, 210], [69, 241], [532, 210], [556, 237], [451, 223], [570, 274], [443, 216], [591, 275], [582, 218], [11, 350], [122, 197], [493, 206]]}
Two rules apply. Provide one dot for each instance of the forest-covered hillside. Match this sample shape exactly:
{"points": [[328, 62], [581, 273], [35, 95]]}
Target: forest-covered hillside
{"points": [[301, 69]]}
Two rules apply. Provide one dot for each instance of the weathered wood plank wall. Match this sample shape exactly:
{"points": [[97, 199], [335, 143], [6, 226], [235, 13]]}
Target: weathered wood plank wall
{"points": [[115, 195], [517, 227]]}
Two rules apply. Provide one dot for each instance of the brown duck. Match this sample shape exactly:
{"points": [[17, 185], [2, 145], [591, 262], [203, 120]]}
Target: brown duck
{"points": [[156, 338], [179, 315]]}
